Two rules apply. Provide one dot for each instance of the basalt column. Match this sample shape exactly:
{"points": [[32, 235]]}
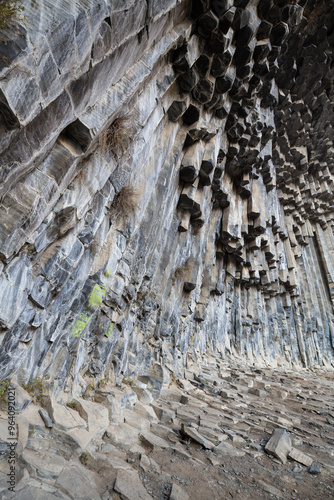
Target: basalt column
{"points": [[166, 187]]}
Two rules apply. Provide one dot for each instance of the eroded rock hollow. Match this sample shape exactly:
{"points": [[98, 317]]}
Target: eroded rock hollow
{"points": [[166, 187]]}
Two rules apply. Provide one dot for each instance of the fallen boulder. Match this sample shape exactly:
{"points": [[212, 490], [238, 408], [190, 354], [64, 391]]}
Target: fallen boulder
{"points": [[279, 445]]}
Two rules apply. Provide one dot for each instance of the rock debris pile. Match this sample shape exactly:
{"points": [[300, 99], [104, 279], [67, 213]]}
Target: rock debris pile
{"points": [[225, 431]]}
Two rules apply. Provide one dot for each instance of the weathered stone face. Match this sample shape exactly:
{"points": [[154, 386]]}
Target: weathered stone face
{"points": [[166, 183]]}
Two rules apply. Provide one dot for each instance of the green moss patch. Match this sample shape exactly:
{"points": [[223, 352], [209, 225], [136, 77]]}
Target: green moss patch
{"points": [[109, 330], [80, 323], [97, 296], [108, 273]]}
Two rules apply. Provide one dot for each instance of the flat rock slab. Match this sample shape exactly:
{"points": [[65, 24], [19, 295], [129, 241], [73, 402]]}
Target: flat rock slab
{"points": [[65, 418], [257, 392], [300, 457], [33, 493], [79, 482], [180, 451], [125, 437], [118, 463], [44, 463], [178, 493], [165, 415], [214, 461], [135, 420], [79, 438], [129, 486], [271, 489], [95, 415], [214, 437], [196, 436], [145, 463], [186, 416], [152, 441], [279, 445], [145, 411], [227, 449], [143, 395]]}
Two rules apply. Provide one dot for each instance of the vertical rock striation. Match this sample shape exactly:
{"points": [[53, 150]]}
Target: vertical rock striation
{"points": [[166, 187]]}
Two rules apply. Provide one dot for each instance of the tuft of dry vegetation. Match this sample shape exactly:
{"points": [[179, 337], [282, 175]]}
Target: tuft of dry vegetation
{"points": [[103, 383], [126, 201], [129, 381], [115, 137], [3, 392], [73, 405], [96, 247], [38, 390], [182, 272], [11, 10], [89, 392], [28, 248]]}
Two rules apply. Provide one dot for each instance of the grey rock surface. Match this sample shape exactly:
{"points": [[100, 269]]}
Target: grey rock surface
{"points": [[128, 485], [279, 445], [178, 493], [300, 457], [166, 184]]}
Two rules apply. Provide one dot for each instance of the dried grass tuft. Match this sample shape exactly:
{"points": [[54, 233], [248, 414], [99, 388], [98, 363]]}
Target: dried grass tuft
{"points": [[11, 10], [115, 137], [126, 201], [182, 272]]}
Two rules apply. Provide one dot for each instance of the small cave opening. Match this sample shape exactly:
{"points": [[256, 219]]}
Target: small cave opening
{"points": [[78, 133]]}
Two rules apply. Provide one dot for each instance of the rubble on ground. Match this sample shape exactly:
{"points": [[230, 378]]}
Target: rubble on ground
{"points": [[191, 442]]}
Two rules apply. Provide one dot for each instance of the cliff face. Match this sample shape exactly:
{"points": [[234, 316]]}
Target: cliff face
{"points": [[166, 187]]}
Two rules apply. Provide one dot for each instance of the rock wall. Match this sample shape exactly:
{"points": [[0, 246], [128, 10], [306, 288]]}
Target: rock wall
{"points": [[166, 187]]}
